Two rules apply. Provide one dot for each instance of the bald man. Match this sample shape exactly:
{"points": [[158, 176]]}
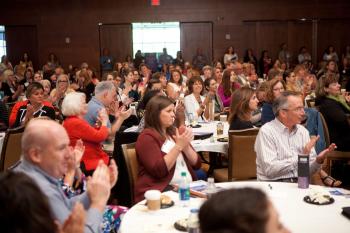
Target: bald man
{"points": [[45, 148]]}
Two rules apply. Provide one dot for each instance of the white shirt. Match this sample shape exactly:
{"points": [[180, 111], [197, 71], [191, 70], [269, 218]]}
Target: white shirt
{"points": [[192, 105], [180, 165], [277, 151]]}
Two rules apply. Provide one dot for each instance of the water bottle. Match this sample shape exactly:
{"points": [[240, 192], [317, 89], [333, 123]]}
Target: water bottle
{"points": [[303, 171], [193, 222], [211, 188], [184, 190]]}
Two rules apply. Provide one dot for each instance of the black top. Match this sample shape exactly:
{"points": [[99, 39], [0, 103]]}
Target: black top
{"points": [[238, 124], [4, 117], [338, 125], [7, 91]]}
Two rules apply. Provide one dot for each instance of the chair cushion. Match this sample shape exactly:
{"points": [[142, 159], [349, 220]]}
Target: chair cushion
{"points": [[221, 175]]}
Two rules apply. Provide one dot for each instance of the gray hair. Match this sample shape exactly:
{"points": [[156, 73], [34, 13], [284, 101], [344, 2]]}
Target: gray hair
{"points": [[71, 105], [104, 86], [282, 101]]}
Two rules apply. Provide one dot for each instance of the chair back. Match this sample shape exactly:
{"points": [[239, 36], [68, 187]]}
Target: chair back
{"points": [[325, 130], [242, 157], [132, 166], [11, 150]]}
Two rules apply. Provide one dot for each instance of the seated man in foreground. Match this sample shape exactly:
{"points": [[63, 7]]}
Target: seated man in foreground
{"points": [[45, 148], [280, 141]]}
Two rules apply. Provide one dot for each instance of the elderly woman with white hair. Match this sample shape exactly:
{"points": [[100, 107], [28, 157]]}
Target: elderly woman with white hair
{"points": [[74, 107]]}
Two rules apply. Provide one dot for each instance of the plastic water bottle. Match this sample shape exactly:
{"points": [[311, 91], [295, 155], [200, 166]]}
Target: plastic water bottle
{"points": [[193, 222], [211, 188], [184, 190]]}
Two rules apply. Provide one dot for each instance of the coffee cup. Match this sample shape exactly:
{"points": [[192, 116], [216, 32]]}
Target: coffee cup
{"points": [[153, 199]]}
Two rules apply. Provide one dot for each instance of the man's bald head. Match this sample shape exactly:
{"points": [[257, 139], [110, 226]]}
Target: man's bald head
{"points": [[45, 143], [38, 134]]}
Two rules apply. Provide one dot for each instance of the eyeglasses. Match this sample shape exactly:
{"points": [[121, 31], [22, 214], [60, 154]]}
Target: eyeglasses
{"points": [[297, 109]]}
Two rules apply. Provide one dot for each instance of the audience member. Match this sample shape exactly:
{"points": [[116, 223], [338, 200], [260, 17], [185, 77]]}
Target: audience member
{"points": [[21, 198], [280, 141], [243, 210], [74, 108], [195, 102], [276, 87], [105, 96], [244, 102], [35, 106], [334, 107], [45, 147], [163, 152]]}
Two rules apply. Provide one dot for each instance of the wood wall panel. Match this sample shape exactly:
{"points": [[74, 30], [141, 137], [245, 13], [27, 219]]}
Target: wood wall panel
{"points": [[78, 19], [195, 36], [118, 39]]}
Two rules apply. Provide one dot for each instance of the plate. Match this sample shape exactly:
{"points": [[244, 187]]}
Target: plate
{"points": [[308, 200], [195, 126], [164, 206], [181, 225], [222, 139]]}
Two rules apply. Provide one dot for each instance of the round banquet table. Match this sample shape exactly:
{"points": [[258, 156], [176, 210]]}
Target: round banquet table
{"points": [[297, 215], [207, 144]]}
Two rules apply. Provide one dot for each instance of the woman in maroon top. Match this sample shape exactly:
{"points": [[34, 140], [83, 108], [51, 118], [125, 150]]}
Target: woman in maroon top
{"points": [[74, 108], [163, 152]]}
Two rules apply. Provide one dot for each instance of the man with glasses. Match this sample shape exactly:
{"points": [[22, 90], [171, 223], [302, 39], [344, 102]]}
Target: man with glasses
{"points": [[281, 140]]}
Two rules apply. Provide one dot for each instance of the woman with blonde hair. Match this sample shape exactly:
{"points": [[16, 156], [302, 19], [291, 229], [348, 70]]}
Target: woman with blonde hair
{"points": [[61, 90]]}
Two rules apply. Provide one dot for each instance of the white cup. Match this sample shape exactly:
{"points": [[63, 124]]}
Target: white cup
{"points": [[153, 199], [223, 118]]}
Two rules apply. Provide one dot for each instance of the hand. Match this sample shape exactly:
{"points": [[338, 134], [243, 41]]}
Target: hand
{"points": [[113, 172], [308, 147], [75, 223], [321, 156], [128, 101], [78, 152], [184, 139], [122, 113], [102, 116], [99, 187], [30, 112]]}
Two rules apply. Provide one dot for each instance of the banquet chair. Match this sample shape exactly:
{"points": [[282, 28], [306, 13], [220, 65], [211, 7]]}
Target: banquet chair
{"points": [[11, 150], [241, 157], [132, 166], [333, 155]]}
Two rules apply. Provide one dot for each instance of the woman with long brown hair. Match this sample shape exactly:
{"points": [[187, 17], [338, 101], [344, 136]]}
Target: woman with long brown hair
{"points": [[242, 106], [229, 82], [163, 151]]}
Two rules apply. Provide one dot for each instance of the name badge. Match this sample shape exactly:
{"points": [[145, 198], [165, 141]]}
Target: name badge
{"points": [[167, 146]]}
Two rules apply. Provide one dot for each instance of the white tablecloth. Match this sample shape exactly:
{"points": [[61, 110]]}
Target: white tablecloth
{"points": [[211, 145], [297, 215]]}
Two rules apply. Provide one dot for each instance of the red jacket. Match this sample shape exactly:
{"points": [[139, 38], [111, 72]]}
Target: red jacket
{"points": [[92, 138], [153, 172]]}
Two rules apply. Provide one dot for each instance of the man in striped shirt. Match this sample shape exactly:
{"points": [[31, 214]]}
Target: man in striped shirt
{"points": [[280, 141]]}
